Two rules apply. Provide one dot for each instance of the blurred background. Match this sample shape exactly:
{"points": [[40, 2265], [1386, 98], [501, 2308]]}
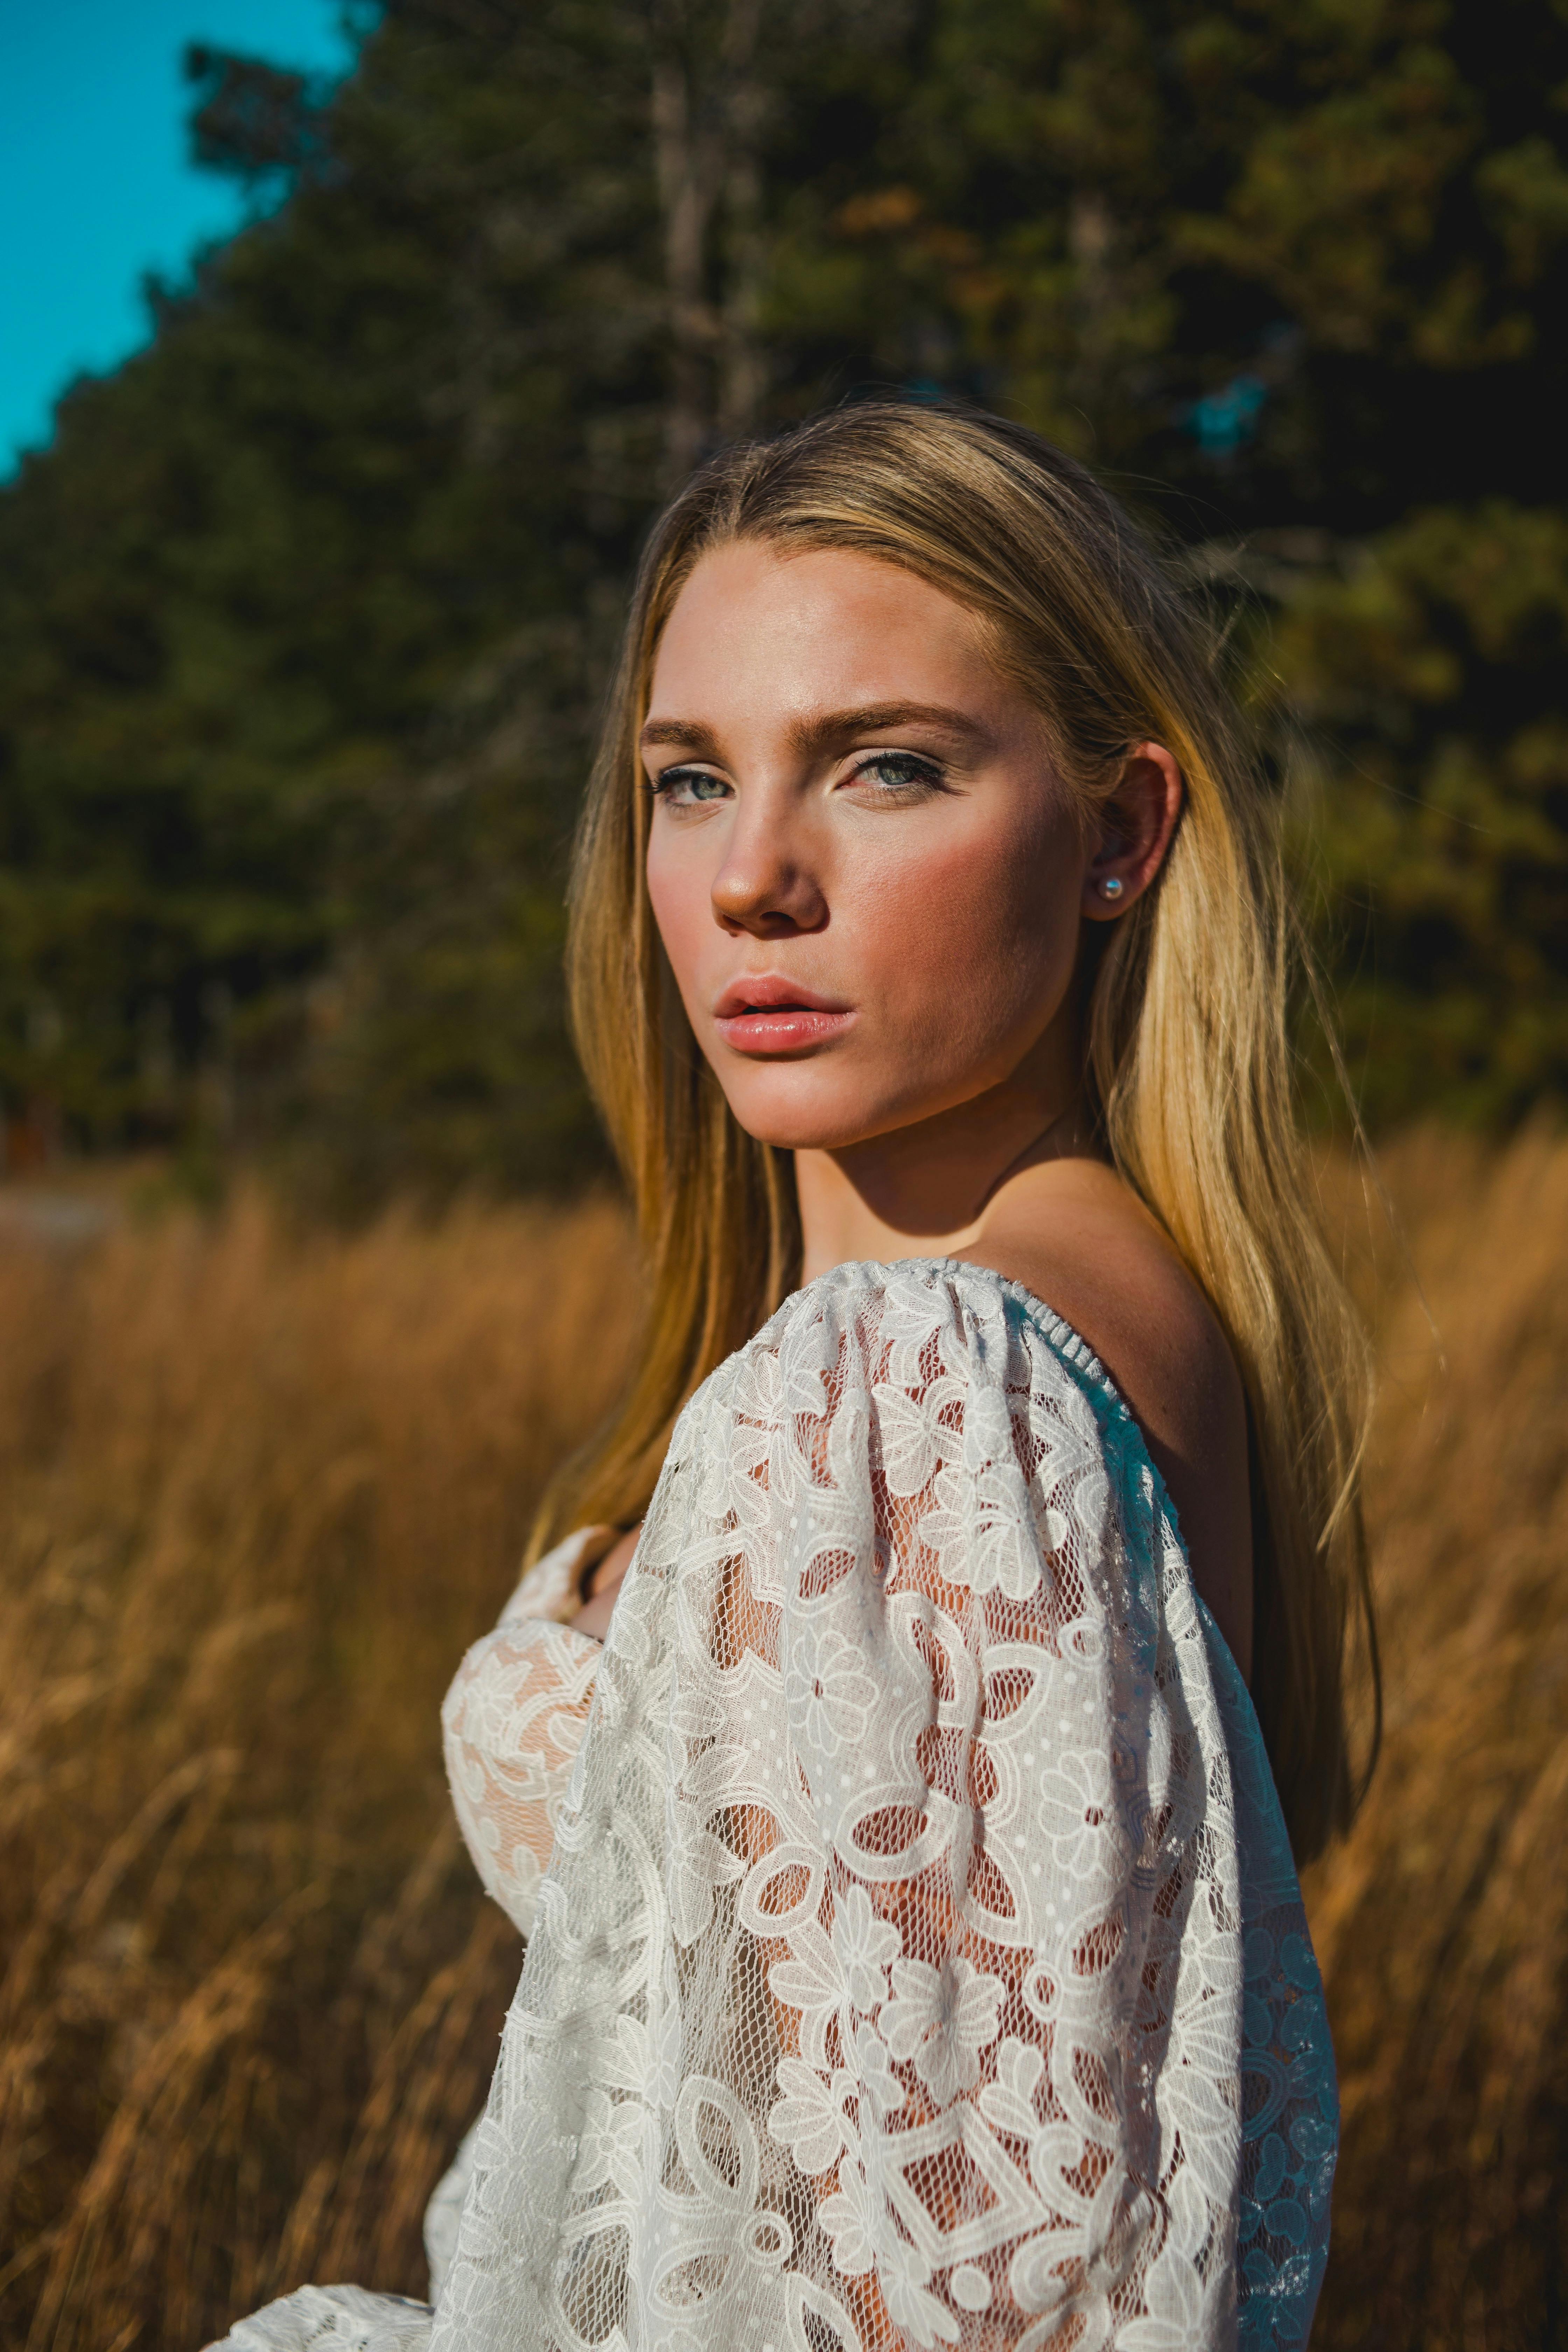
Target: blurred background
{"points": [[379, 338]]}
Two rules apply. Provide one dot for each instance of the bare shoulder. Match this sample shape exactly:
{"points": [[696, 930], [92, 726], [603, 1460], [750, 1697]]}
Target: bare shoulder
{"points": [[1080, 1239], [1073, 1234]]}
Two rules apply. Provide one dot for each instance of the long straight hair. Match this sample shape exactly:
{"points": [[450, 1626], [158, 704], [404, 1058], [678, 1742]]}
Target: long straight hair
{"points": [[1186, 1056]]}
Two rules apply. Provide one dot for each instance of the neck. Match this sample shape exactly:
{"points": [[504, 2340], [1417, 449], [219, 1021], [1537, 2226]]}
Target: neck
{"points": [[928, 1190]]}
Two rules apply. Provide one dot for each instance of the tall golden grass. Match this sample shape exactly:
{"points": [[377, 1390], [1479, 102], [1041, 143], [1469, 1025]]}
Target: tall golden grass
{"points": [[261, 1487], [260, 1492], [1442, 1923]]}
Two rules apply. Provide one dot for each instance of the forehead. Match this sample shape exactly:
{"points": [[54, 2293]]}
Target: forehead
{"points": [[828, 627]]}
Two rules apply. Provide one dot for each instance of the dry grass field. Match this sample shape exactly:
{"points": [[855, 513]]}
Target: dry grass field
{"points": [[258, 1491]]}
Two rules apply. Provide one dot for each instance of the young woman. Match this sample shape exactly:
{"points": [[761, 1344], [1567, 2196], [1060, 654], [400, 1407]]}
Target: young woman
{"points": [[916, 1954]]}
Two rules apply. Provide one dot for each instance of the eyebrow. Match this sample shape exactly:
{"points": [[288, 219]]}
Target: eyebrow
{"points": [[690, 734], [807, 735]]}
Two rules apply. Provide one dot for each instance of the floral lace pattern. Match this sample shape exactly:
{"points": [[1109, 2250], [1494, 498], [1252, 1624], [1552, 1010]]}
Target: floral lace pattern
{"points": [[919, 1960], [333, 2319], [511, 1726]]}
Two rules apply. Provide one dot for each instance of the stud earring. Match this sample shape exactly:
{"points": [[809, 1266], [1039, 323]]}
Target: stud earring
{"points": [[1113, 885]]}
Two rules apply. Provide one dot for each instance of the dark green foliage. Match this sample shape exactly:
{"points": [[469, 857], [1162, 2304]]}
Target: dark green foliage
{"points": [[254, 121], [305, 616], [1430, 662], [256, 592]]}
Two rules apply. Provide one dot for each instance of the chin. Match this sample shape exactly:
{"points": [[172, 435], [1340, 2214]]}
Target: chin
{"points": [[814, 1119]]}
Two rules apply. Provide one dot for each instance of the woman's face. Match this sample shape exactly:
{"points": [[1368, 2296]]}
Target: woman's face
{"points": [[868, 881]]}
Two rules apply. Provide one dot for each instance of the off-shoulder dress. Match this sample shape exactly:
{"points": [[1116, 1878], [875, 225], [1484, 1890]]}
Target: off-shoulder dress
{"points": [[915, 1955]]}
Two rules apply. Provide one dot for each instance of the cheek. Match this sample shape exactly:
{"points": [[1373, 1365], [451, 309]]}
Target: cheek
{"points": [[681, 899], [981, 937]]}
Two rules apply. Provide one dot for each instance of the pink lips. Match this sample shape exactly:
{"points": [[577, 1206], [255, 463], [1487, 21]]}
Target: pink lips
{"points": [[765, 1015]]}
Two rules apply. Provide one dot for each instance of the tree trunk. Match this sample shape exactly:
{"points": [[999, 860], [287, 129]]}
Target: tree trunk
{"points": [[706, 128], [685, 192], [743, 380]]}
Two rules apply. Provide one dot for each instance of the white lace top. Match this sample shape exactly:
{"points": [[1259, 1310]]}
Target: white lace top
{"points": [[916, 1957]]}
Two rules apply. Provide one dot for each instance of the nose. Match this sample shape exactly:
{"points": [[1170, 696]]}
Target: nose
{"points": [[767, 885]]}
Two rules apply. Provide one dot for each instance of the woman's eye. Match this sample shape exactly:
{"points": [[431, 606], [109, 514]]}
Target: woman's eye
{"points": [[689, 787], [900, 772]]}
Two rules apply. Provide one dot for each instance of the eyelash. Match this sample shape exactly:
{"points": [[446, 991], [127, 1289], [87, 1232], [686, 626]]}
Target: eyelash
{"points": [[928, 778]]}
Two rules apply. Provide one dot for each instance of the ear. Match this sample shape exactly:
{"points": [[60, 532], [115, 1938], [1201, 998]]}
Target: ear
{"points": [[1135, 829]]}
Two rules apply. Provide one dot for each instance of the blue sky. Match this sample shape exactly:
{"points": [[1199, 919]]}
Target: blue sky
{"points": [[95, 187]]}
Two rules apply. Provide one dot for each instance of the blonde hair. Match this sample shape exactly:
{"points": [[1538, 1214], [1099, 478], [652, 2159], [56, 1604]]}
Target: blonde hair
{"points": [[1187, 1063]]}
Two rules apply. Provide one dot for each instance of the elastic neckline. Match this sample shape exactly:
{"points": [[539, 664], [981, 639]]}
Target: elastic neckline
{"points": [[1070, 1344]]}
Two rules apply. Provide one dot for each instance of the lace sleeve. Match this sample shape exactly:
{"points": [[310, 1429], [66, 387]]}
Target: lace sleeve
{"points": [[332, 2319], [511, 1726], [920, 1961]]}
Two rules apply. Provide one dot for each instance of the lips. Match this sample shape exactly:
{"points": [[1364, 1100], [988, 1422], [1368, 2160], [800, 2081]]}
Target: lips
{"points": [[764, 991], [763, 1013]]}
